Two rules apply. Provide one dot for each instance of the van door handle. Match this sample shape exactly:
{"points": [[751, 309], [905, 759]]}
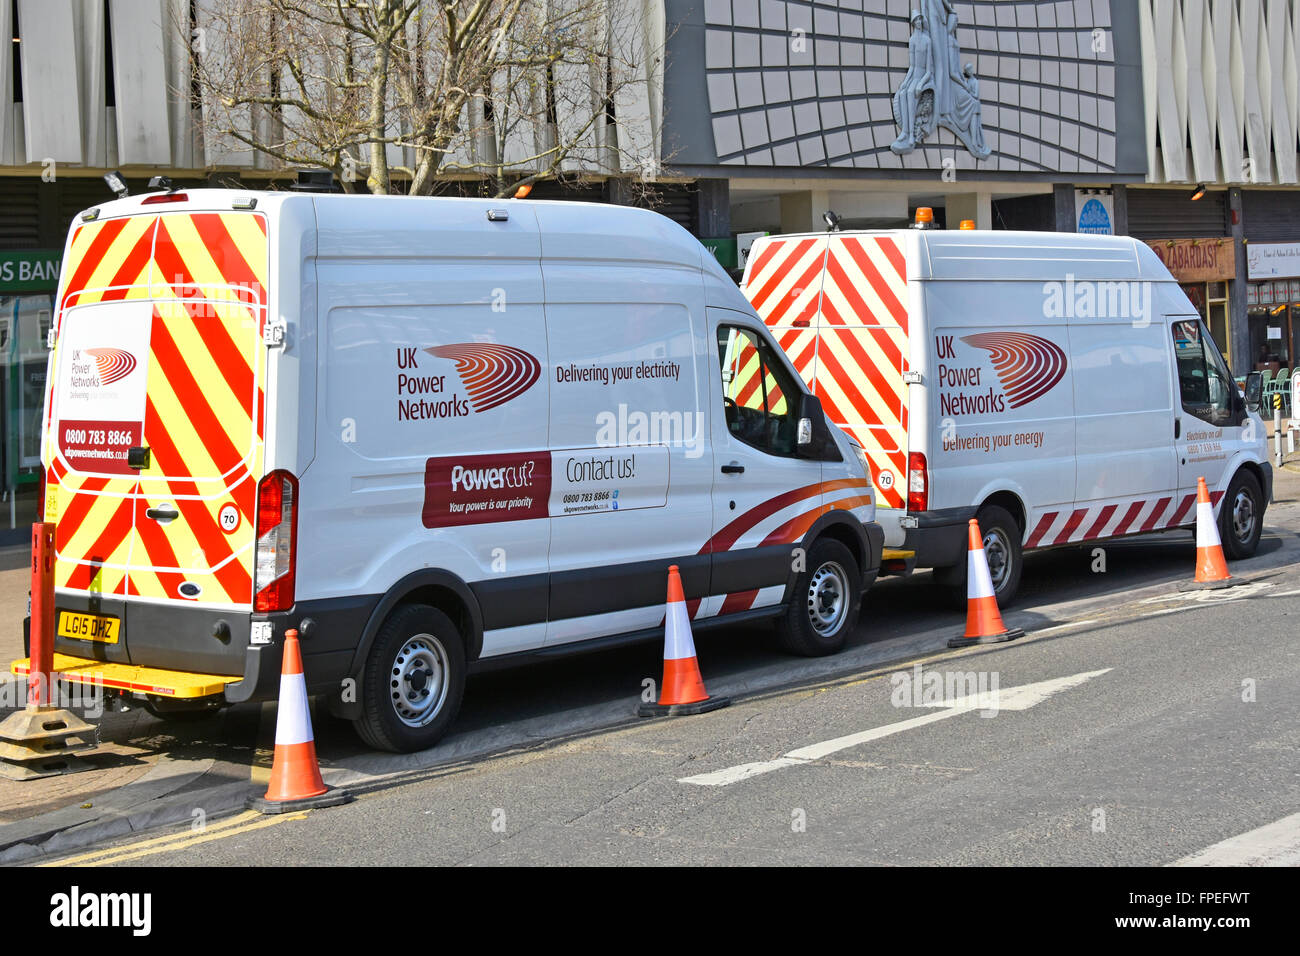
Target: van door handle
{"points": [[1178, 427], [162, 514], [733, 469]]}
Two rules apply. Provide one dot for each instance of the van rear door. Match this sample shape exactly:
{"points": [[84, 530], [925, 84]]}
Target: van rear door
{"points": [[159, 347], [838, 307], [862, 353]]}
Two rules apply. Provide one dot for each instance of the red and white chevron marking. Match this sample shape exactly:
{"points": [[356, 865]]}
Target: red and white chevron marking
{"points": [[1113, 519], [838, 307]]}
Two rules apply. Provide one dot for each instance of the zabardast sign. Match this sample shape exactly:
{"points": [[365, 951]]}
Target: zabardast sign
{"points": [[1197, 260], [1268, 260], [1096, 213], [29, 270]]}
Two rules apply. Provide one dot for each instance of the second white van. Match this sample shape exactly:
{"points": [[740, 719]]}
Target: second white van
{"points": [[1060, 388]]}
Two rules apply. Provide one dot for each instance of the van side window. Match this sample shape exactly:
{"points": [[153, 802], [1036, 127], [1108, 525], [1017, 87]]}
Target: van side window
{"points": [[1203, 379], [754, 392]]}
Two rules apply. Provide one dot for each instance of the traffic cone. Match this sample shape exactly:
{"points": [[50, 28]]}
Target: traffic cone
{"points": [[983, 619], [296, 782], [683, 689], [1211, 569]]}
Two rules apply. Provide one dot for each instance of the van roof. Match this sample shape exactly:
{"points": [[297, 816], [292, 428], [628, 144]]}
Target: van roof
{"points": [[992, 255], [354, 225]]}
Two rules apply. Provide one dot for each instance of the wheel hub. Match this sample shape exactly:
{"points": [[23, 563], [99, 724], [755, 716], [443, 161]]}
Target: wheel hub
{"points": [[828, 603], [1243, 516], [418, 684], [997, 552]]}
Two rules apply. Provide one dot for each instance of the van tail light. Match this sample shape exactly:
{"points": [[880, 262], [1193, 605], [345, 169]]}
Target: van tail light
{"points": [[277, 534], [918, 483]]}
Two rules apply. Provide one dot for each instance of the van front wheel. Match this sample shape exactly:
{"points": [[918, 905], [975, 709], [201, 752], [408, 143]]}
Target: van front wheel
{"points": [[1240, 516], [825, 602], [413, 682]]}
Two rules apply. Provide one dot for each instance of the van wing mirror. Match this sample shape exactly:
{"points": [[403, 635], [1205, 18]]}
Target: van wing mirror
{"points": [[818, 443], [1254, 390]]}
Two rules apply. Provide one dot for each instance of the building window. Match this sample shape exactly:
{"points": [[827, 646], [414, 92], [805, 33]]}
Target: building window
{"points": [[1273, 320]]}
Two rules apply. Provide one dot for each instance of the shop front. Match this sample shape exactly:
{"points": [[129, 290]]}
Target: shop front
{"points": [[1204, 269], [1273, 304], [28, 281]]}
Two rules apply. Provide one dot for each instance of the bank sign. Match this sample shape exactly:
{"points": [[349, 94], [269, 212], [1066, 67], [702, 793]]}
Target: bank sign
{"points": [[29, 270]]}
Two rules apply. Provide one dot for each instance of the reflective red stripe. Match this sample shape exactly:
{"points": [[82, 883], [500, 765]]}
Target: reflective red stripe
{"points": [[1043, 524], [729, 535], [1129, 517], [1183, 507], [738, 601], [93, 256], [854, 248], [759, 298], [1156, 512], [1099, 525], [115, 531], [227, 255], [172, 366], [1075, 519]]}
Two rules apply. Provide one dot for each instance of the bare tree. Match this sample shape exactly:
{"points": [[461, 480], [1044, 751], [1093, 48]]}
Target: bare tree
{"points": [[505, 92]]}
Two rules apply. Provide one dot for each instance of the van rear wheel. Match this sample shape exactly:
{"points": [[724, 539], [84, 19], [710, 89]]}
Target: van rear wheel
{"points": [[825, 602], [413, 682], [1002, 550]]}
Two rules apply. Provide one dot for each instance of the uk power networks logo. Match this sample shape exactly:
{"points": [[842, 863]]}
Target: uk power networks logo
{"points": [[492, 374], [1028, 366], [110, 365]]}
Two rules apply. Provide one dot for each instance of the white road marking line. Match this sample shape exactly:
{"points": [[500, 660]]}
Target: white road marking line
{"points": [[1013, 698], [1060, 627], [1245, 589], [720, 778], [1276, 844], [1019, 698], [828, 747]]}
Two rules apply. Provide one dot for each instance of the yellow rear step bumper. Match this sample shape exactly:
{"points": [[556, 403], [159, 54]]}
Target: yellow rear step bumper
{"points": [[896, 554], [144, 680]]}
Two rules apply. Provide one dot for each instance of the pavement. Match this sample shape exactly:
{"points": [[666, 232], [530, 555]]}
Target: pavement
{"points": [[152, 774]]}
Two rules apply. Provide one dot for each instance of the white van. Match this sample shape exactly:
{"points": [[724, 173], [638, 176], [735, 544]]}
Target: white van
{"points": [[1058, 387], [428, 434]]}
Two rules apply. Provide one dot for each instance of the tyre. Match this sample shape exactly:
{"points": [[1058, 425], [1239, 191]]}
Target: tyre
{"points": [[413, 682], [1241, 516], [1002, 549], [825, 601]]}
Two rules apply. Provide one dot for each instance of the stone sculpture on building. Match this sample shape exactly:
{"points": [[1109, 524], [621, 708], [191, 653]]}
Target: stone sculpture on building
{"points": [[937, 90]]}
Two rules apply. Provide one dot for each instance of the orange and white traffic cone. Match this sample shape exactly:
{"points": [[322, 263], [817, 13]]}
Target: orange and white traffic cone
{"points": [[683, 689], [296, 782], [983, 619], [1211, 569]]}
